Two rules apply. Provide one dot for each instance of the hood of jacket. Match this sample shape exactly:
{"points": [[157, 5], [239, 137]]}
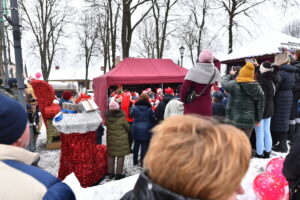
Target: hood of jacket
{"points": [[145, 188], [179, 104], [272, 76], [143, 105], [114, 114], [252, 89]]}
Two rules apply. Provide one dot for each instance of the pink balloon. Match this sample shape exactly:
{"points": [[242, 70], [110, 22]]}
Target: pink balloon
{"points": [[38, 75], [268, 187], [274, 167]]}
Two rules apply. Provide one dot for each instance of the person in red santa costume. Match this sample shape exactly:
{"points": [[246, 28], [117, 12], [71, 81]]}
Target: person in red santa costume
{"points": [[159, 94], [126, 105]]}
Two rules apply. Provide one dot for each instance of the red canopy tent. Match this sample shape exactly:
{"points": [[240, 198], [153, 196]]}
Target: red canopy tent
{"points": [[135, 71]]}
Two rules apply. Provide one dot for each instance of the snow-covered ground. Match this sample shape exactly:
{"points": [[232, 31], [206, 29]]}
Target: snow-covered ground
{"points": [[114, 190]]}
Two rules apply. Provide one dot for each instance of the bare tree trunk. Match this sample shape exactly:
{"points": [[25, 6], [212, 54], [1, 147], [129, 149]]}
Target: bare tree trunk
{"points": [[127, 28], [235, 8], [1, 57], [230, 35]]}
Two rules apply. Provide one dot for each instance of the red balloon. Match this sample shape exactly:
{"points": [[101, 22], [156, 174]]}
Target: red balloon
{"points": [[268, 187], [274, 167]]}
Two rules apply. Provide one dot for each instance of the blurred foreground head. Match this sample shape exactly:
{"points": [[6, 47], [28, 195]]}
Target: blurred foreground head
{"points": [[13, 123], [197, 158]]}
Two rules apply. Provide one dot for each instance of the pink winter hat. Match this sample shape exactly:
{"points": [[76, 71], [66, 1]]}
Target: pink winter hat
{"points": [[113, 105], [206, 56]]}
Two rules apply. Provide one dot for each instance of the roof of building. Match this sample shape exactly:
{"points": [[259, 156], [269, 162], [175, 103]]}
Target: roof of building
{"points": [[266, 45]]}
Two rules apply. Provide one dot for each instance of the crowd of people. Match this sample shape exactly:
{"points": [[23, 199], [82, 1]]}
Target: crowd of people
{"points": [[259, 99], [184, 156]]}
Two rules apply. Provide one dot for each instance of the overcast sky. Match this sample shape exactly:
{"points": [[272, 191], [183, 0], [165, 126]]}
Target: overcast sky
{"points": [[267, 19]]}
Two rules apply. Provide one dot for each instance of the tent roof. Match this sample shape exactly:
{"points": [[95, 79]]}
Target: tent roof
{"points": [[136, 71], [266, 45], [144, 71]]}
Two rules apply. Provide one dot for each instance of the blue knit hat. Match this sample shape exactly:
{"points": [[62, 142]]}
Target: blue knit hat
{"points": [[13, 120]]}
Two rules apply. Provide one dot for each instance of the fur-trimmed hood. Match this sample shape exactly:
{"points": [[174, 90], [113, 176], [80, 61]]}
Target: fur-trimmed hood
{"points": [[114, 114]]}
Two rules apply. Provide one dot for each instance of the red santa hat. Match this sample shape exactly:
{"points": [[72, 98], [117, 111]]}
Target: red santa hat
{"points": [[159, 90], [148, 90], [169, 90]]}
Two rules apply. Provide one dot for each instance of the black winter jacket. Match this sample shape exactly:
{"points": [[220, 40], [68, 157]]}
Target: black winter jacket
{"points": [[283, 99], [146, 189], [269, 81], [218, 109], [296, 92], [291, 169], [161, 107]]}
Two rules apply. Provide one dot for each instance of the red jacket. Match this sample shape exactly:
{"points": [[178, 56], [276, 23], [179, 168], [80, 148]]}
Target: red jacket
{"points": [[201, 105]]}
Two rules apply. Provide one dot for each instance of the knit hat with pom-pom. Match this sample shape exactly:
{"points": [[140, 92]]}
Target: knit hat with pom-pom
{"points": [[67, 95], [13, 120], [113, 105], [246, 73], [206, 56]]}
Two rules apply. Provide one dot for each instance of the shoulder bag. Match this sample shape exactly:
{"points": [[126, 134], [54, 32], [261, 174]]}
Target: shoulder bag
{"points": [[193, 95]]}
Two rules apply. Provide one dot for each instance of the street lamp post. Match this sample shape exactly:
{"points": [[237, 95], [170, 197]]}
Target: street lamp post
{"points": [[14, 22], [181, 50]]}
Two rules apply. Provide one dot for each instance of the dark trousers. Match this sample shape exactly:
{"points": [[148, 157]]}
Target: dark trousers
{"points": [[130, 139], [248, 131], [144, 144]]}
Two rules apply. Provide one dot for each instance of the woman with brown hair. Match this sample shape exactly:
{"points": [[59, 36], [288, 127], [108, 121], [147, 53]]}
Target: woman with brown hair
{"points": [[193, 158]]}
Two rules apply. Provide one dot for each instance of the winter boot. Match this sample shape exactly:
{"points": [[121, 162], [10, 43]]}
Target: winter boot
{"points": [[119, 176], [291, 133], [259, 156], [267, 154], [110, 176], [282, 146], [275, 137]]}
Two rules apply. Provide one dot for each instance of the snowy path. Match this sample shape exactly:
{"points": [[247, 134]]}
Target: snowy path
{"points": [[114, 190]]}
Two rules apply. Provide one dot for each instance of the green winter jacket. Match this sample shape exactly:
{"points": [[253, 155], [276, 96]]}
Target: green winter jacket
{"points": [[117, 133], [245, 105]]}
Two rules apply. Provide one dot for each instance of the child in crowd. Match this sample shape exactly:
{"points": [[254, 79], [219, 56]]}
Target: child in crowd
{"points": [[66, 97], [117, 139], [218, 107]]}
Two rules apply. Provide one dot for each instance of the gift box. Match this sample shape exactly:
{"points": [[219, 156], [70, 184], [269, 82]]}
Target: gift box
{"points": [[89, 105], [69, 108]]}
